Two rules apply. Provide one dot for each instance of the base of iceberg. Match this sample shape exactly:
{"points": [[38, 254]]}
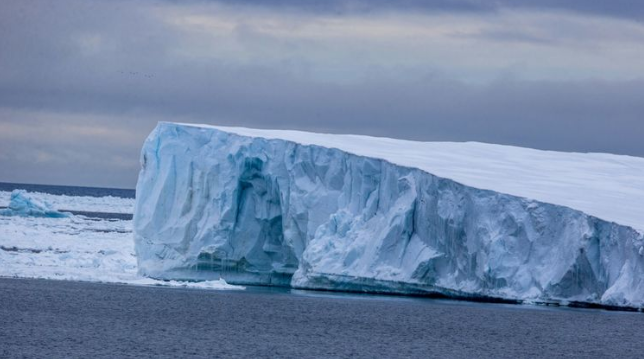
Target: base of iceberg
{"points": [[212, 203]]}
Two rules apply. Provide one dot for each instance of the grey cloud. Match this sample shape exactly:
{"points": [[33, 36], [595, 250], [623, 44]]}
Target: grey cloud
{"points": [[630, 9], [54, 90], [572, 116], [64, 148]]}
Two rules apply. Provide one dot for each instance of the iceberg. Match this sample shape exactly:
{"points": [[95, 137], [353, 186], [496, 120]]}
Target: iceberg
{"points": [[367, 214], [25, 205]]}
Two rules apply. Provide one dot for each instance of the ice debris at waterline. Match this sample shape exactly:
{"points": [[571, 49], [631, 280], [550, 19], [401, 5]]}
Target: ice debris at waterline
{"points": [[345, 212], [25, 205]]}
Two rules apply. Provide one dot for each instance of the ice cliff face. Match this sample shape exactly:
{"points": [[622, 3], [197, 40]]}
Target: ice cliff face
{"points": [[254, 210]]}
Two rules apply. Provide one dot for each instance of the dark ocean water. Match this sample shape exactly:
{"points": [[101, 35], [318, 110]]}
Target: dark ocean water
{"points": [[56, 319], [69, 190]]}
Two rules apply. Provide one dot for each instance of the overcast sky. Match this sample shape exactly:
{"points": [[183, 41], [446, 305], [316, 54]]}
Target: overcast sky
{"points": [[82, 83]]}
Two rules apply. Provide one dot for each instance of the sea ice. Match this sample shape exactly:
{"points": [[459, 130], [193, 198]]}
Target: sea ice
{"points": [[77, 248]]}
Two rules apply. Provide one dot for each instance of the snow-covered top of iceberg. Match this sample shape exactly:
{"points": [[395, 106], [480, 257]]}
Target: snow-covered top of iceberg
{"points": [[608, 186]]}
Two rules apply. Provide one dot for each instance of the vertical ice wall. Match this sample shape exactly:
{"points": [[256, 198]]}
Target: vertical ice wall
{"points": [[253, 210]]}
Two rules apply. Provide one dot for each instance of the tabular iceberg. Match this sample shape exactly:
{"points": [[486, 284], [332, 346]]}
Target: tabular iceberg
{"points": [[354, 213]]}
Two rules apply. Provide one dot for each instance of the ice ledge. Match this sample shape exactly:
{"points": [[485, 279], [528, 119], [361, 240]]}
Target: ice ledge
{"points": [[607, 186]]}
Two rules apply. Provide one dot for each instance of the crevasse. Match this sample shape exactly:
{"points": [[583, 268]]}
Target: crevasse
{"points": [[213, 203]]}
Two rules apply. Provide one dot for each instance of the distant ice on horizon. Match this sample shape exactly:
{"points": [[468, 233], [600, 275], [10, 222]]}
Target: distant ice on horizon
{"points": [[107, 204]]}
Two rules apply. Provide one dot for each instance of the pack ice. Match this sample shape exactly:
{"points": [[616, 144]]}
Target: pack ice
{"points": [[358, 213]]}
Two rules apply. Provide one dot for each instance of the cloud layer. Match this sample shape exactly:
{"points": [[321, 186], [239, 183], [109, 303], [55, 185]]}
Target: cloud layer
{"points": [[85, 81]]}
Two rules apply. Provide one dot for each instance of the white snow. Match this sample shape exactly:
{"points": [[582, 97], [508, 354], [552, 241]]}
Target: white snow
{"points": [[107, 204], [607, 186]]}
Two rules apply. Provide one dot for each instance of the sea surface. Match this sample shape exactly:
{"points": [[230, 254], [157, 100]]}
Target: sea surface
{"points": [[59, 319]]}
